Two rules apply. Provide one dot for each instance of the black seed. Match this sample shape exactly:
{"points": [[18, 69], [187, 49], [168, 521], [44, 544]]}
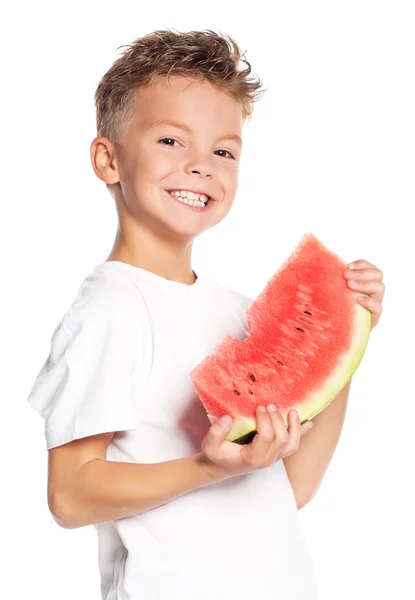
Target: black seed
{"points": [[307, 313], [278, 361], [299, 329], [249, 392], [236, 392], [252, 376]]}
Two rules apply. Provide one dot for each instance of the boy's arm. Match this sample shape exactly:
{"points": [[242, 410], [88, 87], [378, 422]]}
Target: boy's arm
{"points": [[84, 488], [308, 465]]}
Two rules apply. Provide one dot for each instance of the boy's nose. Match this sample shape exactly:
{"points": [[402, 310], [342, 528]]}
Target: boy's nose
{"points": [[200, 164], [201, 172]]}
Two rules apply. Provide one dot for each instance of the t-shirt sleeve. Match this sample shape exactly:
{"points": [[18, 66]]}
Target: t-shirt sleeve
{"points": [[87, 384]]}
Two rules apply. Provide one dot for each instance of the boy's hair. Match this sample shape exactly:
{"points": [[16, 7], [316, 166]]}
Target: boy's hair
{"points": [[204, 55]]}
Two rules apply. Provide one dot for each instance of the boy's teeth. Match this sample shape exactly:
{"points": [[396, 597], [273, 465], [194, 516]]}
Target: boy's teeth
{"points": [[190, 197]]}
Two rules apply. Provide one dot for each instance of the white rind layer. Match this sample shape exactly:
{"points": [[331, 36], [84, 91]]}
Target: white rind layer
{"points": [[319, 399]]}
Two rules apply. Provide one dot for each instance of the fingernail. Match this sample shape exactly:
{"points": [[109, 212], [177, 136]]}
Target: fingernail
{"points": [[351, 266], [262, 409], [294, 414], [272, 407], [225, 421]]}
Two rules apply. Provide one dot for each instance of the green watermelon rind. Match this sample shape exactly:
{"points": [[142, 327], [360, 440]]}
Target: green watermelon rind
{"points": [[318, 400]]}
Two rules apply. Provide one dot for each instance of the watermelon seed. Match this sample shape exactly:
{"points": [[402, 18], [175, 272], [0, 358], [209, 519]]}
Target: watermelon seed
{"points": [[299, 329], [236, 392], [249, 392], [282, 364], [307, 313], [252, 376]]}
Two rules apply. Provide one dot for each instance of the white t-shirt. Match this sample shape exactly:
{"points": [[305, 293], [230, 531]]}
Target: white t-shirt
{"points": [[120, 360]]}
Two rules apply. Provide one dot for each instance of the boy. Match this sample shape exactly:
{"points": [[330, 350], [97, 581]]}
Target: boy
{"points": [[180, 512]]}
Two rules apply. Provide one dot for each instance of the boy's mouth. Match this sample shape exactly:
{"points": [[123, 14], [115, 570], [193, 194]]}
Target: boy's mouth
{"points": [[199, 197], [194, 204]]}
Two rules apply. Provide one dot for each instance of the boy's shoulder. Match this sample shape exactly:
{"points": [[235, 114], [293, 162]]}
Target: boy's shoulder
{"points": [[105, 293]]}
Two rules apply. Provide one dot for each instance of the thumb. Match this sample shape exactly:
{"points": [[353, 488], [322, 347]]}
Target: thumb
{"points": [[211, 418], [221, 426]]}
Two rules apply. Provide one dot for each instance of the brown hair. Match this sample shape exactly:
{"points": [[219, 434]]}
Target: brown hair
{"points": [[199, 54]]}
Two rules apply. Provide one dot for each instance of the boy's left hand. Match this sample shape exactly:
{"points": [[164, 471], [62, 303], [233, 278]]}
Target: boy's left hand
{"points": [[367, 278]]}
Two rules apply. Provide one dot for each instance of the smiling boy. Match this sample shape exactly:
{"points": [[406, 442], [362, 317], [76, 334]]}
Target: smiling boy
{"points": [[167, 147], [180, 513]]}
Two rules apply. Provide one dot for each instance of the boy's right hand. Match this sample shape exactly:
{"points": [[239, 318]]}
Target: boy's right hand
{"points": [[272, 442]]}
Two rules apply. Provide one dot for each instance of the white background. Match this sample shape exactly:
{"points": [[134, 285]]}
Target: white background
{"points": [[330, 149]]}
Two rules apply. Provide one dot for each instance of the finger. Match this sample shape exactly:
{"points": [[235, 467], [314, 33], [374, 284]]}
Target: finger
{"points": [[295, 427], [306, 426], [263, 439], [278, 423], [360, 264], [211, 418], [218, 431], [293, 419], [281, 435], [373, 305], [368, 287], [364, 274], [296, 431]]}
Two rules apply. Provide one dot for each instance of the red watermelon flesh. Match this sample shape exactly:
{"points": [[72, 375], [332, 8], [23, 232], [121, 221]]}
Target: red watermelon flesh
{"points": [[307, 334]]}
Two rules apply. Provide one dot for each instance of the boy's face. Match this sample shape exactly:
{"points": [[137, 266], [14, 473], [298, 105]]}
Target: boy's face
{"points": [[163, 157]]}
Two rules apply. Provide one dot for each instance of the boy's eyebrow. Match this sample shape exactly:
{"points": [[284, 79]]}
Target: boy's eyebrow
{"points": [[229, 136]]}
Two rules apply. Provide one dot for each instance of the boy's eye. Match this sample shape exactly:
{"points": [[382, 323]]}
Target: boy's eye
{"points": [[169, 139], [173, 140], [231, 155]]}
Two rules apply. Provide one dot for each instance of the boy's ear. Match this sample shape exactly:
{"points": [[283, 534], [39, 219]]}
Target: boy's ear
{"points": [[103, 160]]}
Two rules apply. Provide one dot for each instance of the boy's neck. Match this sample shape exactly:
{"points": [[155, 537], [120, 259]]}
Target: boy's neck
{"points": [[183, 275]]}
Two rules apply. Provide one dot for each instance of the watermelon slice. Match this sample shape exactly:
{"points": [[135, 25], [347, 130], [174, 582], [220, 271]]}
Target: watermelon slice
{"points": [[307, 336]]}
